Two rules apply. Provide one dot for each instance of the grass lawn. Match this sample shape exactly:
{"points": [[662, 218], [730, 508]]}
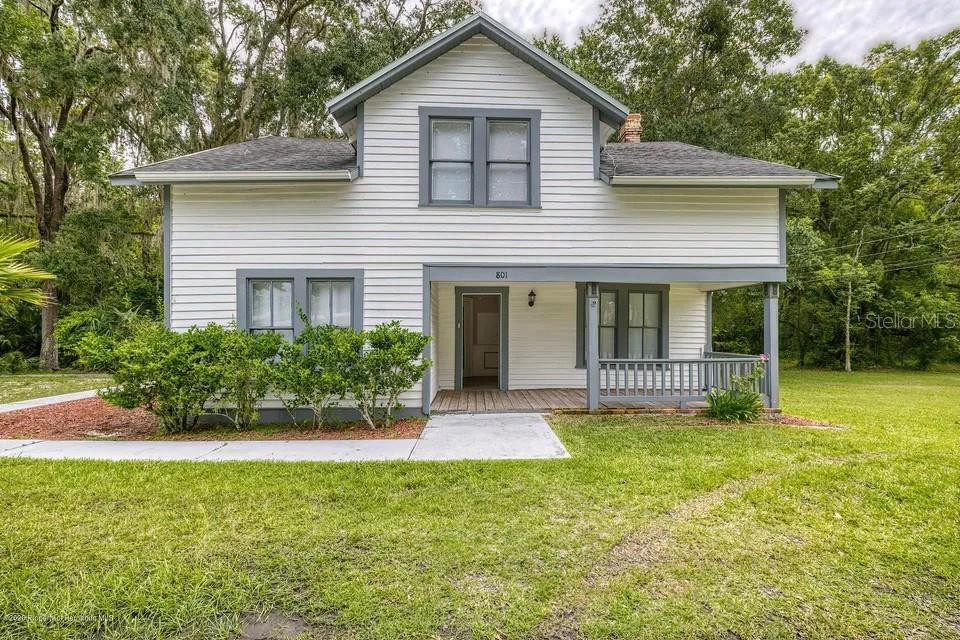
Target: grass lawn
{"points": [[655, 528], [25, 386]]}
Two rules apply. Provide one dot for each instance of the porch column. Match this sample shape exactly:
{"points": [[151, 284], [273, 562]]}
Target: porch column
{"points": [[593, 345], [771, 340]]}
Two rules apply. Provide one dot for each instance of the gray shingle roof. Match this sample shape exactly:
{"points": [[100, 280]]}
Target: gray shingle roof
{"points": [[262, 154], [676, 159]]}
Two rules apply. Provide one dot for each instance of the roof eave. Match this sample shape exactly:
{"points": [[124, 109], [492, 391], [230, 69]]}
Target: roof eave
{"points": [[343, 107], [178, 177], [124, 181], [786, 182]]}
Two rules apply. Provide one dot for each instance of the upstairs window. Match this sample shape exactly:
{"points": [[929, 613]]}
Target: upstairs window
{"points": [[451, 161], [508, 162], [479, 157]]}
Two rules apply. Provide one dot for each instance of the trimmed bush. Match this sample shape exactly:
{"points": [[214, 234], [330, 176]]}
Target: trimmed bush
{"points": [[242, 367], [172, 375], [389, 363], [312, 372]]}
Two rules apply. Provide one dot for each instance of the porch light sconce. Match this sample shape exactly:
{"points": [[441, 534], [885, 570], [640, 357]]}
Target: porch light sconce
{"points": [[531, 297]]}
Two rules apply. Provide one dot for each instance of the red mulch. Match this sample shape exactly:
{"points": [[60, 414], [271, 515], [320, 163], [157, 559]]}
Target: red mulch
{"points": [[76, 420], [94, 418]]}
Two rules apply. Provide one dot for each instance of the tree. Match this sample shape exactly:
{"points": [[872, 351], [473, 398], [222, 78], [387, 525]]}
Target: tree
{"points": [[693, 68], [18, 281], [60, 78]]}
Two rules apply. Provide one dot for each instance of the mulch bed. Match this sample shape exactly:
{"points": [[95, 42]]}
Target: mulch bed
{"points": [[95, 419]]}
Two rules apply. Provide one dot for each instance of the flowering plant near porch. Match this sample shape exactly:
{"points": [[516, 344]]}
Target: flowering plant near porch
{"points": [[742, 403]]}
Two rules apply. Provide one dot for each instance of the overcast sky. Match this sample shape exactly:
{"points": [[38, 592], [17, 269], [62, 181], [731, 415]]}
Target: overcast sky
{"points": [[844, 29]]}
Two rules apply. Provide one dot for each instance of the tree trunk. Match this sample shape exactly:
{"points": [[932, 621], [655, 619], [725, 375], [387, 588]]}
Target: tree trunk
{"points": [[49, 360], [846, 330]]}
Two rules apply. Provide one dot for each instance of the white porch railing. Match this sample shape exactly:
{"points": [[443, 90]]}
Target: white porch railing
{"points": [[677, 379]]}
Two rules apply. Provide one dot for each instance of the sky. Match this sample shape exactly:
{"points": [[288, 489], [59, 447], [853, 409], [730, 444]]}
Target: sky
{"points": [[844, 29]]}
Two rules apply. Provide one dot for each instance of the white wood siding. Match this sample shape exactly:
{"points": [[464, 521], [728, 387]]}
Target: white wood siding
{"points": [[375, 223]]}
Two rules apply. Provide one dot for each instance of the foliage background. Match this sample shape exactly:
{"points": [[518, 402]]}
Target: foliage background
{"points": [[148, 79]]}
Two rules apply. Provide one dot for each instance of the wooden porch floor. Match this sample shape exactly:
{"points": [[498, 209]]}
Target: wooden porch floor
{"points": [[492, 400]]}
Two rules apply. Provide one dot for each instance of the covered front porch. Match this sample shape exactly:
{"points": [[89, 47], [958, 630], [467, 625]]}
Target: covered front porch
{"points": [[643, 386], [542, 343]]}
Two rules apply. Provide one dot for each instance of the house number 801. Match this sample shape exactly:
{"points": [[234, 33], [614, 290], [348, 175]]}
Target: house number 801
{"points": [[501, 275]]}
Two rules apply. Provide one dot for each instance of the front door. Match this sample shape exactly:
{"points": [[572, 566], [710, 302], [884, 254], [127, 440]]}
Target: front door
{"points": [[481, 338]]}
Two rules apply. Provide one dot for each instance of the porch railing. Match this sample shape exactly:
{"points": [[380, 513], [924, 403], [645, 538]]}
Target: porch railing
{"points": [[680, 379]]}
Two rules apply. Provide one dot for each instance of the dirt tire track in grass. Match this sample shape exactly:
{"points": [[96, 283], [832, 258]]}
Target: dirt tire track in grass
{"points": [[646, 546]]}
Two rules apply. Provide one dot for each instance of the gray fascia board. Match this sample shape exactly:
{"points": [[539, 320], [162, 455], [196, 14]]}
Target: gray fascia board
{"points": [[343, 107], [125, 181], [826, 183], [648, 274]]}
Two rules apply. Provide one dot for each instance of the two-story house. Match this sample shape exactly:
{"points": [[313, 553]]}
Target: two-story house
{"points": [[495, 200]]}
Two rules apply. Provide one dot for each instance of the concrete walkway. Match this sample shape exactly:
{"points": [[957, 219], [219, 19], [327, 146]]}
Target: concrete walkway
{"points": [[42, 402], [461, 437], [488, 436]]}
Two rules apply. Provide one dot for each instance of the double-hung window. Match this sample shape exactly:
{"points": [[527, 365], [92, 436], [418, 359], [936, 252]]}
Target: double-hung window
{"points": [[451, 161], [278, 300], [331, 302], [632, 322], [271, 307], [479, 157], [508, 162]]}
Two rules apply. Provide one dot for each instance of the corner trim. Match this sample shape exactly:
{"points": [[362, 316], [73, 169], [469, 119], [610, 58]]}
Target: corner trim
{"points": [[782, 207], [596, 143], [167, 215], [359, 143]]}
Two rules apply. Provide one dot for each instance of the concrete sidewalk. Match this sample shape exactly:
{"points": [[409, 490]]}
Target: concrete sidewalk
{"points": [[460, 437], [42, 402]]}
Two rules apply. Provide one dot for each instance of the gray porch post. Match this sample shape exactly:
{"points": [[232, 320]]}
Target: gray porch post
{"points": [[593, 345], [771, 340]]}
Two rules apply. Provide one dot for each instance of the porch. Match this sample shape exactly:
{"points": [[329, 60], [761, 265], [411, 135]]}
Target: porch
{"points": [[642, 385], [541, 343]]}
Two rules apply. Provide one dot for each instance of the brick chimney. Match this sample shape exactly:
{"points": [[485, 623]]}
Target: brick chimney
{"points": [[631, 130]]}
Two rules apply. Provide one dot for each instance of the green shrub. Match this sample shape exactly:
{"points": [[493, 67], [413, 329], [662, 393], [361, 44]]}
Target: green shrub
{"points": [[242, 367], [389, 363], [13, 362], [86, 337], [172, 375], [311, 372], [739, 404]]}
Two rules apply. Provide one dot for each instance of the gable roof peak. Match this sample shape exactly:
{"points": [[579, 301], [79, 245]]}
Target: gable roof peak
{"points": [[344, 106]]}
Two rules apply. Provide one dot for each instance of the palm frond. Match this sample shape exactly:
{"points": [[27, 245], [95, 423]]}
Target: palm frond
{"points": [[11, 246], [18, 280]]}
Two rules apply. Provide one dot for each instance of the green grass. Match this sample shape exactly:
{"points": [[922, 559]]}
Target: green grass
{"points": [[26, 386], [655, 528]]}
